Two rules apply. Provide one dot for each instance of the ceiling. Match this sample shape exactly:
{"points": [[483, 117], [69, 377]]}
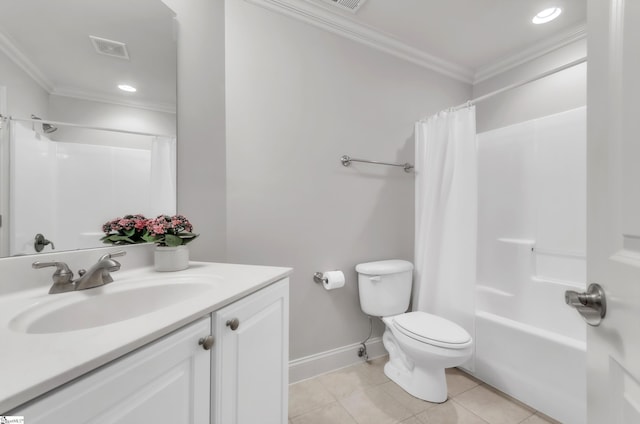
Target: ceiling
{"points": [[463, 38], [50, 41], [471, 34]]}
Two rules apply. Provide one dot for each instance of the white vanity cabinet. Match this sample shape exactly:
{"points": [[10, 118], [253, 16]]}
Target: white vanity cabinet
{"points": [[250, 358], [167, 381], [241, 378]]}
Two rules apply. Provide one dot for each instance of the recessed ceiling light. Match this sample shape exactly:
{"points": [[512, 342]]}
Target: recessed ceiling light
{"points": [[127, 88], [547, 15]]}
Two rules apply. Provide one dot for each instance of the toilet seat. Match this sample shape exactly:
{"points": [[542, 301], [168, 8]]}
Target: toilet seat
{"points": [[432, 329]]}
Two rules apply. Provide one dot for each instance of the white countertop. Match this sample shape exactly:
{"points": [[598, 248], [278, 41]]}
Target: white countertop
{"points": [[33, 364]]}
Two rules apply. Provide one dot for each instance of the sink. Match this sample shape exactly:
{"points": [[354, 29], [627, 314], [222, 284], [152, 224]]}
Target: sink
{"points": [[106, 305]]}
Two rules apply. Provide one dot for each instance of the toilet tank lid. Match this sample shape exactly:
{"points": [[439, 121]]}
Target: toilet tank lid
{"points": [[384, 267]]}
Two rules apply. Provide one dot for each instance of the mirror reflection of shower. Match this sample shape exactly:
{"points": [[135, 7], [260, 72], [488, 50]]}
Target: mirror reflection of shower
{"points": [[46, 128]]}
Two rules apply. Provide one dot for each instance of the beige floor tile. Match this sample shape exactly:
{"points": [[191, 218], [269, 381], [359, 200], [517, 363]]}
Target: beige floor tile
{"points": [[459, 382], [333, 413], [372, 372], [306, 396], [540, 419], [343, 382], [374, 406], [413, 404], [449, 412], [411, 420], [493, 407]]}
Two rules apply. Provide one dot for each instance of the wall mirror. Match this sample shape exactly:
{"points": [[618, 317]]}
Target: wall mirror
{"points": [[88, 105]]}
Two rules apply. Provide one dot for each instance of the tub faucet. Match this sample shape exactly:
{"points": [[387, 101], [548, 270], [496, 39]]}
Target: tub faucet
{"points": [[98, 274]]}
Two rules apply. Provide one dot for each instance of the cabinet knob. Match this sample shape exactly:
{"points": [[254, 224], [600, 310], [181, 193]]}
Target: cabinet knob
{"points": [[206, 342], [233, 324]]}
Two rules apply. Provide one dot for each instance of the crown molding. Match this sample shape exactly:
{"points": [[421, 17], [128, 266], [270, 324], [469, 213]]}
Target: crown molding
{"points": [[342, 25], [347, 28], [114, 100], [8, 47], [533, 52]]}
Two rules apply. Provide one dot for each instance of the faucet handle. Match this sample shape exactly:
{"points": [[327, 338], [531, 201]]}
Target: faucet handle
{"points": [[113, 254], [62, 277], [61, 267]]}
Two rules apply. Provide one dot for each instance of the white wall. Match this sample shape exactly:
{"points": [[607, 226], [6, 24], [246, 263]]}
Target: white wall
{"points": [[562, 91], [24, 95], [297, 99], [201, 123], [108, 115]]}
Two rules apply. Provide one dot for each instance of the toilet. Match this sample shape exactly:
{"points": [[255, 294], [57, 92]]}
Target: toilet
{"points": [[420, 345]]}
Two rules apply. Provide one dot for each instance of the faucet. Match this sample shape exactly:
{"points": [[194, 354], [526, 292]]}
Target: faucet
{"points": [[97, 275], [62, 277]]}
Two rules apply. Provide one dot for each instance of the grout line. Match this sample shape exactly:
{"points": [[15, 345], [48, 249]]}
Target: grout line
{"points": [[317, 408], [470, 411]]}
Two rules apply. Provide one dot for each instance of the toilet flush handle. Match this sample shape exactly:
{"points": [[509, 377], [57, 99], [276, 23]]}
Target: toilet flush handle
{"points": [[374, 278]]}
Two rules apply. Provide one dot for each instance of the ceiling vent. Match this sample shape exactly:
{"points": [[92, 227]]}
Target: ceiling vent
{"points": [[350, 5], [110, 47]]}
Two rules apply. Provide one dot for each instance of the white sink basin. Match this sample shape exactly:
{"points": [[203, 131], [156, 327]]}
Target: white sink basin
{"points": [[108, 304]]}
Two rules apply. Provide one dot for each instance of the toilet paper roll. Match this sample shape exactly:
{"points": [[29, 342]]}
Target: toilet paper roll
{"points": [[333, 280]]}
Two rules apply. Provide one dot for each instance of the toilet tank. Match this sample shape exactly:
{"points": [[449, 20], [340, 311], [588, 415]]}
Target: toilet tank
{"points": [[385, 287]]}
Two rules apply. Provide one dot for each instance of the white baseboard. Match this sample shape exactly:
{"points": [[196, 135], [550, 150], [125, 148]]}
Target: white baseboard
{"points": [[324, 362]]}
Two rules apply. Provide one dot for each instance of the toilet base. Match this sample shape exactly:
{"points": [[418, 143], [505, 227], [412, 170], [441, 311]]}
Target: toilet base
{"points": [[425, 384]]}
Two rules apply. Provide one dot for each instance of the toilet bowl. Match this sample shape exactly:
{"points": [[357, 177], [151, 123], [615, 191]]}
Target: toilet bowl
{"points": [[420, 345], [418, 355]]}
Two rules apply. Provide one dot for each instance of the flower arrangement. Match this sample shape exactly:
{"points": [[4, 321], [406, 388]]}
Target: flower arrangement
{"points": [[164, 230], [170, 231], [127, 230]]}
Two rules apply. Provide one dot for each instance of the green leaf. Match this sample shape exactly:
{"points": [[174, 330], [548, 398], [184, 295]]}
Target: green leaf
{"points": [[130, 232], [171, 240], [151, 239]]}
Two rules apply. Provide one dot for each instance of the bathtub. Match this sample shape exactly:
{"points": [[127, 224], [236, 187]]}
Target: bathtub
{"points": [[534, 351]]}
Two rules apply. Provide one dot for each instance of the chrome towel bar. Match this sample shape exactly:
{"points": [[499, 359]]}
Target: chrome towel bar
{"points": [[346, 161]]}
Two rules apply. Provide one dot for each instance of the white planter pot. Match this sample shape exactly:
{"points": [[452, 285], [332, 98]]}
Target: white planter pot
{"points": [[168, 258]]}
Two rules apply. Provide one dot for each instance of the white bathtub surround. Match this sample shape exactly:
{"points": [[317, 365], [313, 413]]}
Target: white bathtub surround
{"points": [[142, 178], [531, 244], [446, 216]]}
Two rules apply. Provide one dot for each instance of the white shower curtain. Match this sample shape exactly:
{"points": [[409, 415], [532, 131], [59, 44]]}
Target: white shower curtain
{"points": [[446, 216], [163, 176]]}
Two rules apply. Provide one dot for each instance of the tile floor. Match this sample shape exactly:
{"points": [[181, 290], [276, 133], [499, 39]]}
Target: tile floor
{"points": [[362, 394]]}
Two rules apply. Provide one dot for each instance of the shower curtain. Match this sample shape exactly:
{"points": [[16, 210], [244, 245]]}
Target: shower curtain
{"points": [[446, 216], [163, 176]]}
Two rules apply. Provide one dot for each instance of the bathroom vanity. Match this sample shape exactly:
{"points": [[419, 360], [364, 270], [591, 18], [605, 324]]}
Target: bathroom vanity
{"points": [[204, 345]]}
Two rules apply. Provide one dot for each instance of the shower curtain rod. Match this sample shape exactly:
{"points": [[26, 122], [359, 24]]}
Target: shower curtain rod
{"points": [[67, 124], [520, 84]]}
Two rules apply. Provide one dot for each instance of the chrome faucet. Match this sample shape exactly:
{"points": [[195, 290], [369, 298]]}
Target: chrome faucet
{"points": [[97, 275]]}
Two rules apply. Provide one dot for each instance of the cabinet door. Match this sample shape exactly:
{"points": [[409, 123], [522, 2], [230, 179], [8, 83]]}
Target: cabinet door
{"points": [[251, 361], [167, 381]]}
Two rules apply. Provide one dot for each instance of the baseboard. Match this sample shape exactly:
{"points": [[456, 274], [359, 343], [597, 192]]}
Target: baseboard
{"points": [[324, 362]]}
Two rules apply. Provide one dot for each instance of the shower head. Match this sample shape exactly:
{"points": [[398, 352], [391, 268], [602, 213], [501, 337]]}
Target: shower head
{"points": [[46, 128]]}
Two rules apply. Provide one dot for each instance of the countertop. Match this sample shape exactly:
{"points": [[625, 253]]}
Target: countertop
{"points": [[33, 364]]}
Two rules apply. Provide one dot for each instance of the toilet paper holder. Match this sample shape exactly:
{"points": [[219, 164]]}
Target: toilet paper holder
{"points": [[319, 277]]}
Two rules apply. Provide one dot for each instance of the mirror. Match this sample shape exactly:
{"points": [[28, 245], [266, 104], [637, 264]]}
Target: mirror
{"points": [[77, 151]]}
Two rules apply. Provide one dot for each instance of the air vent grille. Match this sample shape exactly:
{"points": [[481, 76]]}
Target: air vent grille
{"points": [[350, 5], [110, 47]]}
